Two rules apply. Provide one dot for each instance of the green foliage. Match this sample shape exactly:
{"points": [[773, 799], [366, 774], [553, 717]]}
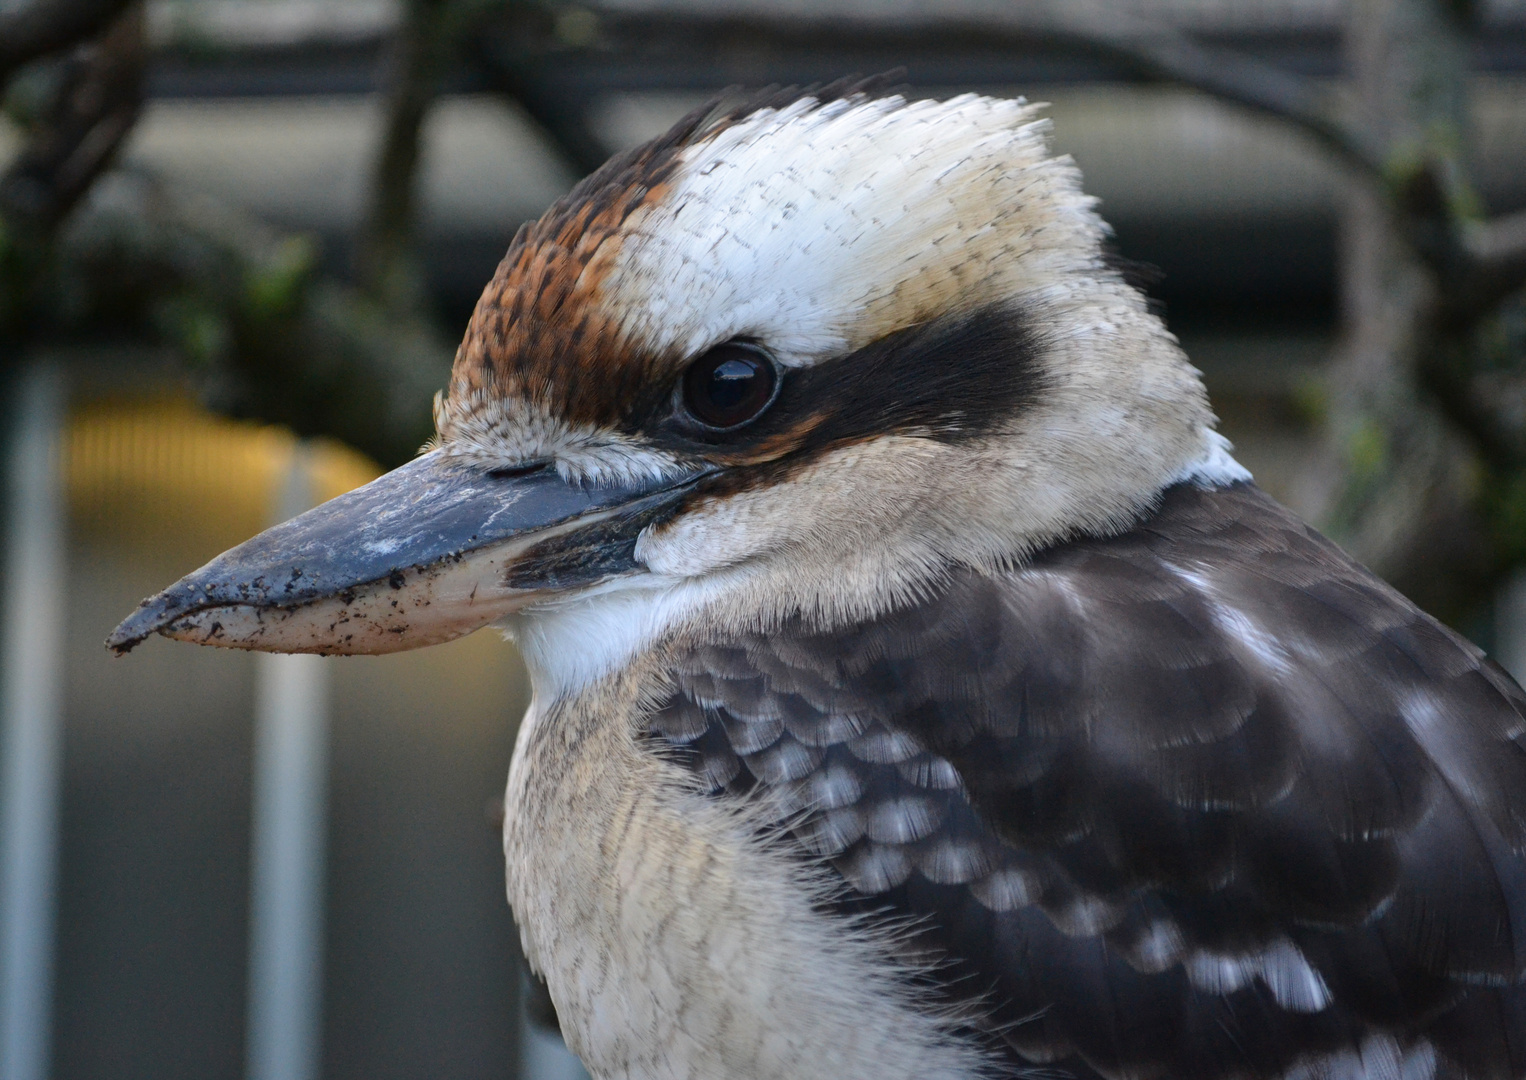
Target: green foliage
{"points": [[31, 90], [196, 326], [246, 308], [274, 287], [1367, 451], [1504, 505], [1311, 401]]}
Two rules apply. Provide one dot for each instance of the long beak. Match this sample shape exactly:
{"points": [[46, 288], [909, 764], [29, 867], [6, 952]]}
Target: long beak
{"points": [[424, 554]]}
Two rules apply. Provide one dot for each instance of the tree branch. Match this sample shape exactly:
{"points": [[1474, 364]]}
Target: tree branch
{"points": [[1497, 250], [46, 26], [1490, 419], [256, 326], [1161, 53], [1498, 243], [384, 263], [1146, 49], [564, 123], [77, 137], [1477, 265]]}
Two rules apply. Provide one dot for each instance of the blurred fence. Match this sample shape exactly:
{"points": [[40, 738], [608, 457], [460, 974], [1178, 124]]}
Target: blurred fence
{"points": [[150, 940]]}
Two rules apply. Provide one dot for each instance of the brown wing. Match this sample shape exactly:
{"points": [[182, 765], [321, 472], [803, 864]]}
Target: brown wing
{"points": [[1203, 800]]}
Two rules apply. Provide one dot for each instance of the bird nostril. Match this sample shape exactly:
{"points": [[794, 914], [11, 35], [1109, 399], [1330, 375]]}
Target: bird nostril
{"points": [[509, 472]]}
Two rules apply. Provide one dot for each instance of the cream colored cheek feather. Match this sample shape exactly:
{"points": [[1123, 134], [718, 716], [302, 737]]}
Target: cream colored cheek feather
{"points": [[871, 523], [877, 523]]}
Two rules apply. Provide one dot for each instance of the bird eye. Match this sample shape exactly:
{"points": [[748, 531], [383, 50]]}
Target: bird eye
{"points": [[730, 385]]}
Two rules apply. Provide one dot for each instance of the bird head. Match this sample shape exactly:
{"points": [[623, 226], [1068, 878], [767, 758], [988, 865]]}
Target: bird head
{"points": [[808, 354]]}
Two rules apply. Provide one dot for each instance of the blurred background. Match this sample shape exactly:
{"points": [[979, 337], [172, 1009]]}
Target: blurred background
{"points": [[239, 240]]}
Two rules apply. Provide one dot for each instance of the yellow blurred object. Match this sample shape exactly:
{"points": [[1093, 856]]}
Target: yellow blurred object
{"points": [[148, 470], [158, 485]]}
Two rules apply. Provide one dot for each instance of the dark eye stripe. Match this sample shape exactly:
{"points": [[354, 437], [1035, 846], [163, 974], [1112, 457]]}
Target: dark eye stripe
{"points": [[950, 379]]}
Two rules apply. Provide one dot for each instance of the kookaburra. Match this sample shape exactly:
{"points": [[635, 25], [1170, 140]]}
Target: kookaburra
{"points": [[921, 689]]}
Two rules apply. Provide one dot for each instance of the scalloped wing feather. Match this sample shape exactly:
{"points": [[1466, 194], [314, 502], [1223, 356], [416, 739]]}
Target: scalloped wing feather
{"points": [[1203, 800]]}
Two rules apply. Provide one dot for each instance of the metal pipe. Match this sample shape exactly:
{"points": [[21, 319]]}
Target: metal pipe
{"points": [[545, 1057], [542, 1053], [32, 707], [287, 880]]}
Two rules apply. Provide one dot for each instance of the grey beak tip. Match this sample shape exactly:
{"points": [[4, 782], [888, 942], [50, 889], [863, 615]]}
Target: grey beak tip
{"points": [[153, 614], [128, 634]]}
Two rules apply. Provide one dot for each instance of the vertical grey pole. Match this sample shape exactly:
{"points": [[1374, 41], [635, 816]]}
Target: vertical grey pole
{"points": [[287, 871], [546, 1057], [543, 1055], [32, 738]]}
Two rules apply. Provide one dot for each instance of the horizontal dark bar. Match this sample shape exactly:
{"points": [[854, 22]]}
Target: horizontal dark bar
{"points": [[677, 55]]}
